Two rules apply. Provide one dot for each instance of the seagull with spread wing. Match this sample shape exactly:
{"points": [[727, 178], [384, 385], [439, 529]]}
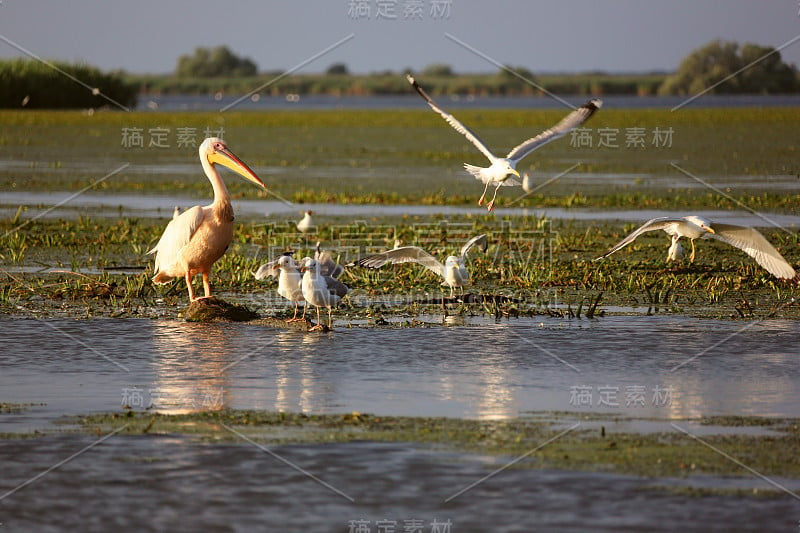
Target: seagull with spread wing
{"points": [[289, 280], [454, 270], [502, 168], [747, 239]]}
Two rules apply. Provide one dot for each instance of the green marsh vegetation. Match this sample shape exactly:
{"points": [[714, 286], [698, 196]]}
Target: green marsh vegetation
{"points": [[398, 157], [385, 156], [98, 266], [659, 454]]}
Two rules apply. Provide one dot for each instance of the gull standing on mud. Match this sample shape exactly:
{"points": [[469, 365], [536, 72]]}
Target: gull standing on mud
{"points": [[454, 270], [502, 168], [321, 291], [289, 281], [194, 240], [747, 239]]}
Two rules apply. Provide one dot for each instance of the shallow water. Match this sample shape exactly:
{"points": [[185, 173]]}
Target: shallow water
{"points": [[170, 483], [477, 368], [40, 205], [684, 367], [215, 103]]}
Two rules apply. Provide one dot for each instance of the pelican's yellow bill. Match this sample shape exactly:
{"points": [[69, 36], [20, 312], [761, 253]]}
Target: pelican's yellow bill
{"points": [[228, 159]]}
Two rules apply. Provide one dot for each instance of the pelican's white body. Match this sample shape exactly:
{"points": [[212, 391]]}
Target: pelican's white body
{"points": [[195, 239]]}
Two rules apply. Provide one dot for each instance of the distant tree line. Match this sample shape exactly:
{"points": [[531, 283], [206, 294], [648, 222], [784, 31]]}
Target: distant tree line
{"points": [[747, 68], [214, 63], [720, 62], [32, 84], [766, 73]]}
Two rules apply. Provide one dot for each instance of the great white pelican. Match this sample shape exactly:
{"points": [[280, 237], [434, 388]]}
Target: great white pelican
{"points": [[194, 240]]}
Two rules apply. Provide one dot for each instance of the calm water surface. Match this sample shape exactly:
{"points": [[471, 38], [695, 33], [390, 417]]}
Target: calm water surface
{"points": [[481, 369], [486, 370]]}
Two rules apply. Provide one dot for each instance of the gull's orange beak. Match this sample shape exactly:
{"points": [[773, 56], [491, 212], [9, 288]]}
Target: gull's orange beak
{"points": [[513, 171], [226, 158]]}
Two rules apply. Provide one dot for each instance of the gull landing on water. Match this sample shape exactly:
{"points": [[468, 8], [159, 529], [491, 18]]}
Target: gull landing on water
{"points": [[502, 168], [749, 240]]}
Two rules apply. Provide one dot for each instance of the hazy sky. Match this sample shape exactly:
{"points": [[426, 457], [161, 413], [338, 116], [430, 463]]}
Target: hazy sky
{"points": [[567, 35]]}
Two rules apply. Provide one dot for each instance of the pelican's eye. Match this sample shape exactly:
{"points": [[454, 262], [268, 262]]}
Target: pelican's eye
{"points": [[219, 146]]}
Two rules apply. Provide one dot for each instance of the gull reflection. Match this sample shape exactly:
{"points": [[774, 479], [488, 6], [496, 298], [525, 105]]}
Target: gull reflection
{"points": [[299, 385]]}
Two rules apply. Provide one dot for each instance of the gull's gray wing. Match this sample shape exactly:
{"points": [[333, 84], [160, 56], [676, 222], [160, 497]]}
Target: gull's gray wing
{"points": [[268, 269], [479, 240], [405, 254], [328, 266], [336, 287], [568, 123], [651, 225], [751, 242], [453, 121]]}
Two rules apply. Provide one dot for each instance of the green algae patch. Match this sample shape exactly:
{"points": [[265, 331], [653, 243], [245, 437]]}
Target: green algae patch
{"points": [[531, 442]]}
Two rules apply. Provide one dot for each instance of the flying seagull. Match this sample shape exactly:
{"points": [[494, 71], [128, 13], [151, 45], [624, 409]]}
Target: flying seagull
{"points": [[747, 239], [502, 168], [453, 270]]}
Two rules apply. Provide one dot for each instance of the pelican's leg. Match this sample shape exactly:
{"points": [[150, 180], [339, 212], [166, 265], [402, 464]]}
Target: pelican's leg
{"points": [[490, 207], [691, 257], [330, 318], [189, 286], [206, 288], [483, 196]]}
